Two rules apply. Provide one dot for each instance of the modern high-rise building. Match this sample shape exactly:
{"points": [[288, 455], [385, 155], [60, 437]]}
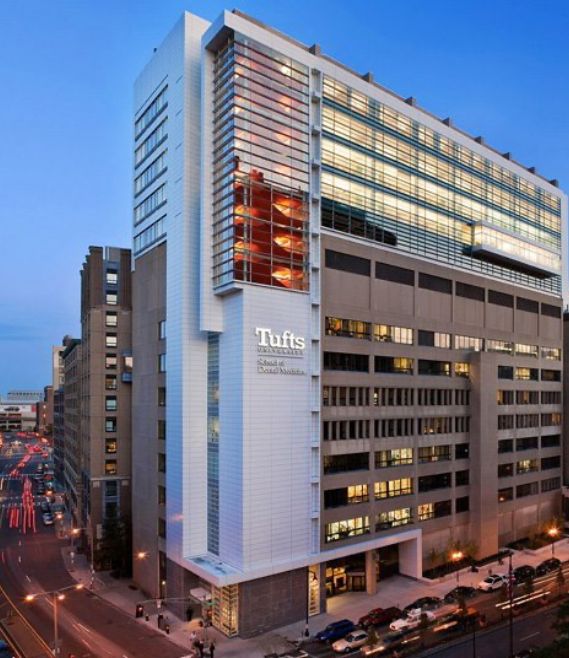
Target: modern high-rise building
{"points": [[347, 330], [68, 436], [105, 371]]}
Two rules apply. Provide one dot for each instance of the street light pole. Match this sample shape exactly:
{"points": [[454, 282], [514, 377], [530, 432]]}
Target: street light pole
{"points": [[55, 626], [511, 611]]}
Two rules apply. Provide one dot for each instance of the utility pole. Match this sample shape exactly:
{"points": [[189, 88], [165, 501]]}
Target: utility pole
{"points": [[55, 624], [511, 611]]}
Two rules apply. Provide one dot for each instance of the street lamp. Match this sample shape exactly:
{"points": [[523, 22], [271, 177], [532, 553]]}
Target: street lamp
{"points": [[554, 534], [56, 596], [75, 532], [456, 557]]}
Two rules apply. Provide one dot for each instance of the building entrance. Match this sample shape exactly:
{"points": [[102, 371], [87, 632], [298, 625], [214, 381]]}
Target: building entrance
{"points": [[348, 574]]}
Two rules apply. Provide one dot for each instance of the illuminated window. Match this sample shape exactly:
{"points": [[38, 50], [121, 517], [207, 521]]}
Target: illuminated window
{"points": [[553, 353], [394, 457], [462, 369], [339, 530], [527, 350], [393, 488], [111, 319], [527, 374], [110, 340], [468, 343], [394, 518], [111, 467], [387, 334]]}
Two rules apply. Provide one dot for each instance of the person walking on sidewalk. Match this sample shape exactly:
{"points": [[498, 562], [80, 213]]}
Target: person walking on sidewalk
{"points": [[211, 649]]}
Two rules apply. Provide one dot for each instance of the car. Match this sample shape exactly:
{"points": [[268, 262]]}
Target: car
{"points": [[351, 642], [336, 630], [492, 583], [456, 622], [523, 573], [459, 592], [379, 617], [545, 567], [412, 620], [424, 603], [390, 642], [47, 519]]}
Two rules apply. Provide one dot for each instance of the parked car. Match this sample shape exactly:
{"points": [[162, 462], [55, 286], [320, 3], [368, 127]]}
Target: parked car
{"points": [[379, 617], [393, 641], [492, 583], [462, 591], [336, 630], [424, 603], [412, 620], [351, 642], [47, 519], [523, 573], [547, 566]]}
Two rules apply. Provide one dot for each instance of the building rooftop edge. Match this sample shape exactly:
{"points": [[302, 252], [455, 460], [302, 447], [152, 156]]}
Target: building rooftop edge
{"points": [[368, 77]]}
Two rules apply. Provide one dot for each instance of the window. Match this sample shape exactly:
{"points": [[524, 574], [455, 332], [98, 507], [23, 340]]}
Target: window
{"points": [[500, 299], [551, 375], [393, 488], [339, 430], [505, 445], [161, 431], [387, 334], [506, 494], [434, 454], [429, 511], [161, 495], [552, 353], [469, 343], [156, 137], [462, 424], [435, 425], [551, 397], [395, 274], [462, 369], [505, 470], [436, 283], [111, 488], [111, 319], [350, 495], [527, 350], [526, 466], [358, 461], [552, 441], [347, 263], [527, 420], [527, 397], [434, 368], [110, 403], [345, 396], [462, 504], [162, 330], [469, 291], [161, 528], [500, 346], [551, 311], [527, 443], [505, 397], [550, 462], [550, 420], [434, 339], [150, 204], [112, 277], [393, 518], [435, 397], [527, 374], [390, 427], [529, 489], [150, 235], [393, 397], [111, 382], [394, 457], [161, 363], [346, 361], [438, 481], [111, 298], [161, 396], [154, 170], [462, 451], [110, 340], [111, 467], [462, 478], [397, 365], [348, 328], [338, 530], [528, 305], [110, 424], [110, 446], [161, 462], [551, 484], [151, 112]]}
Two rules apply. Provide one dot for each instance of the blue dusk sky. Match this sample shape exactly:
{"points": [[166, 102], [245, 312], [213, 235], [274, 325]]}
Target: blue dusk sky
{"points": [[499, 68]]}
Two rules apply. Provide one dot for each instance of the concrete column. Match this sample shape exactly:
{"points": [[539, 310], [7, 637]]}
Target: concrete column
{"points": [[411, 558], [370, 571]]}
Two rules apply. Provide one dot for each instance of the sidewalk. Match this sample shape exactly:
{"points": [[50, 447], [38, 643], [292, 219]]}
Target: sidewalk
{"points": [[397, 590]]}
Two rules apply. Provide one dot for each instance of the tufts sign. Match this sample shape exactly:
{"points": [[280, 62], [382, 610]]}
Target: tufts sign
{"points": [[285, 344]]}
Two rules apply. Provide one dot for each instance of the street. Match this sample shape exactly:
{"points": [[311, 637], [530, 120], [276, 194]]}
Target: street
{"points": [[31, 562]]}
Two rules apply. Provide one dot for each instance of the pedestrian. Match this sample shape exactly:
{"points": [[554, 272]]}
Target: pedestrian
{"points": [[211, 649], [189, 613], [201, 648]]}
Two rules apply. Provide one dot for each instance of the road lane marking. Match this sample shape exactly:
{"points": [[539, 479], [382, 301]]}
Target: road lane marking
{"points": [[527, 637]]}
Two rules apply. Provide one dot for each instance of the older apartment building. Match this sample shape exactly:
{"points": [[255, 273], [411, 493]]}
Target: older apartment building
{"points": [[104, 362], [347, 330]]}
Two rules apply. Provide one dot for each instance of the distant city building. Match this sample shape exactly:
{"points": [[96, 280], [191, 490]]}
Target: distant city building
{"points": [[71, 450], [44, 412], [25, 396], [347, 330], [105, 388], [18, 417], [58, 433]]}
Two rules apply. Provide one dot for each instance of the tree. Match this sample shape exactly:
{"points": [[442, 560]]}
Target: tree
{"points": [[115, 552]]}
